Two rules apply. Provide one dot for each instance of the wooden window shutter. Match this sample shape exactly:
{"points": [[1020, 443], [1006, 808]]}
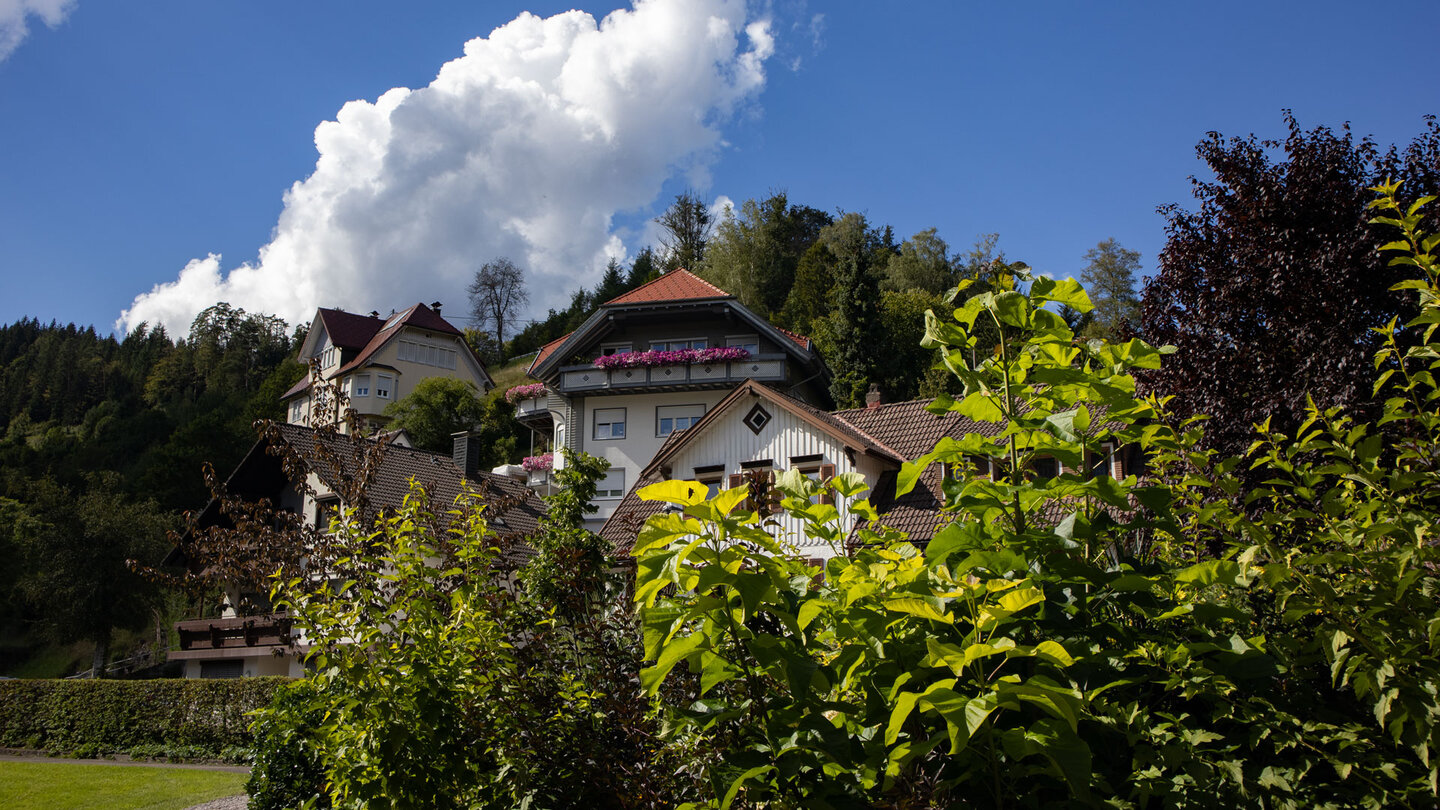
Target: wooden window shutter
{"points": [[772, 495], [736, 479], [827, 471]]}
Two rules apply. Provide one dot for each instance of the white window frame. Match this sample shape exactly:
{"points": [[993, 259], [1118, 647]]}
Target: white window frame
{"points": [[612, 485], [616, 348], [748, 342], [690, 418], [609, 423], [384, 386], [362, 385], [670, 345]]}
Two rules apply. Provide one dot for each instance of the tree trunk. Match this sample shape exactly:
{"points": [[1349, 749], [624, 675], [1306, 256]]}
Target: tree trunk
{"points": [[102, 651]]}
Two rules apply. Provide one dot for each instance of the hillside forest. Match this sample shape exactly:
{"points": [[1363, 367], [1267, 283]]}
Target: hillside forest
{"points": [[1269, 287]]}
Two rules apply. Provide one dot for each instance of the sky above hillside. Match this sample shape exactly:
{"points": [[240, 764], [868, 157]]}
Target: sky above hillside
{"points": [[156, 157]]}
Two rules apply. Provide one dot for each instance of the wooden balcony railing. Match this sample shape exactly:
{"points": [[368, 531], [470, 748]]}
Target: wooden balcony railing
{"points": [[242, 631]]}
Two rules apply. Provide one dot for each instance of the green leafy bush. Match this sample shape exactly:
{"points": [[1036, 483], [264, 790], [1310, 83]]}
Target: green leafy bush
{"points": [[1060, 643], [205, 717]]}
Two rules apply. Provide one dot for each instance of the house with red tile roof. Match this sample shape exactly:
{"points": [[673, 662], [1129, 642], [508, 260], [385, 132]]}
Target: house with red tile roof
{"points": [[757, 432], [376, 361], [654, 361]]}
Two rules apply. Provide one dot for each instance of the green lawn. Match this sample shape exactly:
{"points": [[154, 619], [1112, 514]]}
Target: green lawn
{"points": [[67, 785]]}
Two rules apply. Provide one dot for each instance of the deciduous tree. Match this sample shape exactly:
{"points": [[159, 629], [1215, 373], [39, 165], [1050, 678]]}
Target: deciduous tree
{"points": [[498, 296], [1272, 288], [1109, 275]]}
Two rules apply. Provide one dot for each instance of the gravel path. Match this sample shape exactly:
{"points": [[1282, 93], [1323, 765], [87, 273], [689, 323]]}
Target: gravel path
{"points": [[228, 803]]}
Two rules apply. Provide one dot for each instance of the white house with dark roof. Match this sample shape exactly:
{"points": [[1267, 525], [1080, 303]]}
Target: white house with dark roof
{"points": [[377, 361], [652, 362], [233, 645]]}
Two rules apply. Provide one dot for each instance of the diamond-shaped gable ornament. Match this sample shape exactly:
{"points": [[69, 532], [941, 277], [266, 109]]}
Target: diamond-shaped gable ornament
{"points": [[757, 419]]}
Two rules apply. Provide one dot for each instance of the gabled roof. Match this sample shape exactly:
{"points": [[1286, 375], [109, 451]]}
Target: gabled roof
{"points": [[516, 508], [676, 285], [369, 334]]}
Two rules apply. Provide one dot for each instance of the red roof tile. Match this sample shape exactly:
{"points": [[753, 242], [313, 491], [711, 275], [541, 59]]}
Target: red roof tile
{"points": [[548, 349], [676, 285]]}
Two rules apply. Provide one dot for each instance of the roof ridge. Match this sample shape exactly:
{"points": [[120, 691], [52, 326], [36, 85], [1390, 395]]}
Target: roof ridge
{"points": [[684, 276]]}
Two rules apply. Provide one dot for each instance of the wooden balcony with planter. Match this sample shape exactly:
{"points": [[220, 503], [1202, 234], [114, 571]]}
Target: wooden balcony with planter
{"points": [[232, 637], [589, 379]]}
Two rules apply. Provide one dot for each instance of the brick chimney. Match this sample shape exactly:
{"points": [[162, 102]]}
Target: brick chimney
{"points": [[467, 452], [872, 397]]}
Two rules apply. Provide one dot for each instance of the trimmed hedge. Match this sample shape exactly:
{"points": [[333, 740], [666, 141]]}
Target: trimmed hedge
{"points": [[63, 716]]}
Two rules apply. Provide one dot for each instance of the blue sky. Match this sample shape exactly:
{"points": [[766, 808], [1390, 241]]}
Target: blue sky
{"points": [[139, 138]]}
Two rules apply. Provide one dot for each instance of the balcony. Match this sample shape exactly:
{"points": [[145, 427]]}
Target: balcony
{"points": [[224, 638], [533, 412], [588, 379]]}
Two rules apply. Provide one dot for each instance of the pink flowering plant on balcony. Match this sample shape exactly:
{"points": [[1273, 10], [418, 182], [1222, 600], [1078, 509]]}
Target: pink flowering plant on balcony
{"points": [[520, 392], [677, 357], [544, 461]]}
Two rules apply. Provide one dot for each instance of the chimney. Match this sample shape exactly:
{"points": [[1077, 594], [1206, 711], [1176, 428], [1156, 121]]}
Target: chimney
{"points": [[375, 313], [872, 397], [467, 453], [436, 306]]}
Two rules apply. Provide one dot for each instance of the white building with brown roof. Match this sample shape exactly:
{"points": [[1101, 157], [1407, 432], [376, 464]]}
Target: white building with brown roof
{"points": [[377, 361], [655, 361]]}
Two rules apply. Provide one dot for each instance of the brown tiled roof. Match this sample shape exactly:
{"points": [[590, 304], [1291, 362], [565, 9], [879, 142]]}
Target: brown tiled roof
{"points": [[912, 430], [517, 508], [348, 330], [676, 285], [801, 340]]}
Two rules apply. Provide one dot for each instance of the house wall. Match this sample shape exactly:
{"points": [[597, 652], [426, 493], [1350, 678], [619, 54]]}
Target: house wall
{"points": [[640, 444], [640, 333], [409, 374], [730, 442]]}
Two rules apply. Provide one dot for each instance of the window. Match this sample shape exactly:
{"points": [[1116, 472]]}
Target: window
{"points": [[1045, 467], [612, 485], [297, 411], [677, 345], [713, 477], [614, 348], [231, 668], [426, 354], [384, 386], [815, 468], [750, 343], [1105, 463], [670, 418], [609, 423], [362, 385], [759, 476], [328, 357]]}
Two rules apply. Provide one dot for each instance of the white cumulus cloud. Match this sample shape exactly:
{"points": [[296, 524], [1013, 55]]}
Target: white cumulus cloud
{"points": [[14, 25], [527, 146]]}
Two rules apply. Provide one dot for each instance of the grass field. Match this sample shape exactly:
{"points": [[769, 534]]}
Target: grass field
{"points": [[74, 786]]}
